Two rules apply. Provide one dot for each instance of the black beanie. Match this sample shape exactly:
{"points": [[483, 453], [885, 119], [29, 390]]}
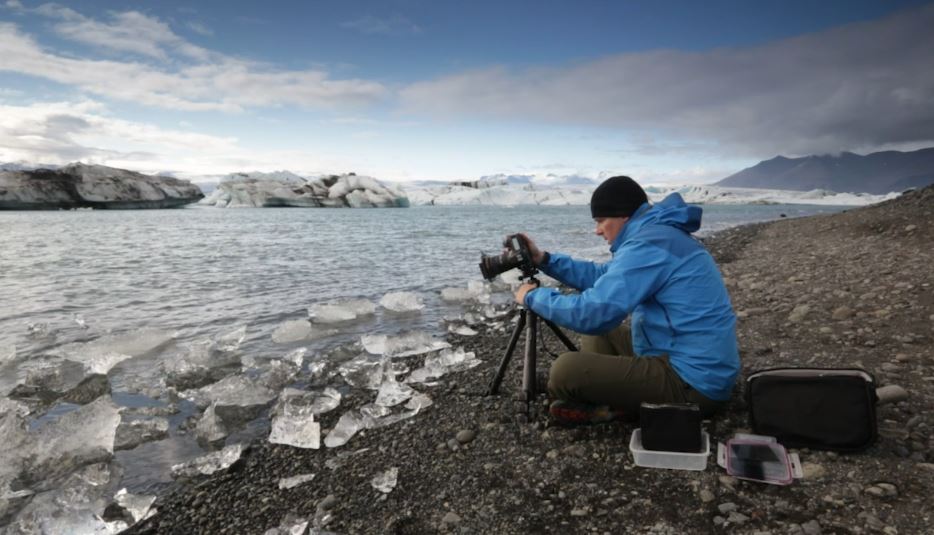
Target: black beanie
{"points": [[619, 196]]}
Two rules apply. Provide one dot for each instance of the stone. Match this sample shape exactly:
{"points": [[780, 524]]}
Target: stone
{"points": [[813, 471], [842, 313], [811, 527], [737, 518], [450, 518], [891, 394], [726, 507], [466, 435], [706, 496], [799, 313]]}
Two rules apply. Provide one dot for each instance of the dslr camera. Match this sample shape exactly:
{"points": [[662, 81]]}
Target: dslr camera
{"points": [[515, 254]]}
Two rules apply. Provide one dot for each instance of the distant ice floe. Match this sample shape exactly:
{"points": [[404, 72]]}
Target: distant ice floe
{"points": [[254, 190], [401, 302], [534, 194]]}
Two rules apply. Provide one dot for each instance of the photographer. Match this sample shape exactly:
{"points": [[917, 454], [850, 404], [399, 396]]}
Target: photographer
{"points": [[681, 347]]}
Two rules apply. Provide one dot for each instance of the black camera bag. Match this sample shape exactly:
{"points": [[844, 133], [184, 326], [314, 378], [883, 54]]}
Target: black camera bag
{"points": [[824, 409]]}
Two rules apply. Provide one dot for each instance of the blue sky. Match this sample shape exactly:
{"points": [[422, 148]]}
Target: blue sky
{"points": [[668, 92]]}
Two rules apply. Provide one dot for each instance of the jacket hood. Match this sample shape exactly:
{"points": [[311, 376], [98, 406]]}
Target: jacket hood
{"points": [[671, 211]]}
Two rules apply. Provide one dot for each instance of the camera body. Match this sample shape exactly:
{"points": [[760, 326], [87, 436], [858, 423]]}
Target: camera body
{"points": [[515, 254]]}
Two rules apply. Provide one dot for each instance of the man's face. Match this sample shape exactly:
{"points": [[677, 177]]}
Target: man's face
{"points": [[609, 227]]}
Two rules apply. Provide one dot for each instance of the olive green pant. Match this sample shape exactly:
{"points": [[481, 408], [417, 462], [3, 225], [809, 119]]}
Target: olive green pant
{"points": [[606, 372]]}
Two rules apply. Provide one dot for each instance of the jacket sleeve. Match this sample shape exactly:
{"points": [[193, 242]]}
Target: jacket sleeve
{"points": [[578, 274], [636, 273]]}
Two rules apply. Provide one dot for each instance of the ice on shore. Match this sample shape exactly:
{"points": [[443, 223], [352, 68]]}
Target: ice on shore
{"points": [[401, 302], [292, 524], [349, 424], [85, 435], [338, 460], [138, 505], [210, 428], [295, 425], [200, 357], [132, 433], [319, 402], [231, 340], [341, 311], [386, 481], [234, 390], [442, 363], [296, 357], [363, 372], [413, 343], [210, 463], [294, 481], [461, 330], [392, 393], [113, 348]]}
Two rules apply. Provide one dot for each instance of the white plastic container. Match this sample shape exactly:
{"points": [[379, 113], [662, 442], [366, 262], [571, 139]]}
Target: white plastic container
{"points": [[674, 460]]}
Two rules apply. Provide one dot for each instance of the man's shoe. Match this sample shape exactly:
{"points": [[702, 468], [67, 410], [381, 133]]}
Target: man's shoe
{"points": [[571, 413]]}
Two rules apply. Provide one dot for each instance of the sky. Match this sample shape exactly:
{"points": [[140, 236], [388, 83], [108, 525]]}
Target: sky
{"points": [[666, 92]]}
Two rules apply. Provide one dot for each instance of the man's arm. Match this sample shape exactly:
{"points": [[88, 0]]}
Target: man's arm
{"points": [[578, 274], [633, 276]]}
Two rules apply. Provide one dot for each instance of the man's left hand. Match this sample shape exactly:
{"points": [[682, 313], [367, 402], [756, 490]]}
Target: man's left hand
{"points": [[524, 289]]}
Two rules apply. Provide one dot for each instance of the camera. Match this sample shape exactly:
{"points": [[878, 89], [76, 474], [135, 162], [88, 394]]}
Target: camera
{"points": [[516, 254]]}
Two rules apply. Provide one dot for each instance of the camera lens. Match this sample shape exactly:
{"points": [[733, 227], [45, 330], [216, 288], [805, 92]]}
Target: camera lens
{"points": [[491, 266]]}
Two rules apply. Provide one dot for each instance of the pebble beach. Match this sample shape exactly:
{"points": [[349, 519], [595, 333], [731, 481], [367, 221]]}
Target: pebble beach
{"points": [[853, 289]]}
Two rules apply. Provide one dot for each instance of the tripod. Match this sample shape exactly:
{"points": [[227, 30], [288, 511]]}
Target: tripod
{"points": [[528, 320]]}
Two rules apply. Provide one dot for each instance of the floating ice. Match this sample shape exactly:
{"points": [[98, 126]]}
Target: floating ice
{"points": [[292, 331], [414, 343], [442, 363], [294, 481], [139, 506], [79, 319], [462, 330], [210, 428], [37, 330], [210, 463], [348, 425], [296, 357], [340, 311], [192, 366], [234, 390], [132, 433], [338, 460], [386, 481], [104, 362], [456, 294], [107, 347], [392, 393], [401, 302], [85, 435], [231, 341], [295, 425]]}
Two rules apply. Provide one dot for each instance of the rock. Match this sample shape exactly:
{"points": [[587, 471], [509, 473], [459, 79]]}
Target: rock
{"points": [[811, 527], [466, 435], [450, 519], [327, 503], [706, 496], [842, 313], [813, 471], [92, 186], [891, 394], [799, 313], [737, 518], [727, 507], [888, 490]]}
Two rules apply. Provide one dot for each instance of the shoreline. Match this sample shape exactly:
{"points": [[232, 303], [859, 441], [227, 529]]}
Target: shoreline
{"points": [[464, 466]]}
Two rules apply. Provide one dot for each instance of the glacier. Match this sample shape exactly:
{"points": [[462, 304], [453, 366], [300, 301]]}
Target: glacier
{"points": [[286, 189]]}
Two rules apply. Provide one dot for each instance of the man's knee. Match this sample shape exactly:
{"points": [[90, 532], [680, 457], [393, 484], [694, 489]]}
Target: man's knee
{"points": [[565, 374]]}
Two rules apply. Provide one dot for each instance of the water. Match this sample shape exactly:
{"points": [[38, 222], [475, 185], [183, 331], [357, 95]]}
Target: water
{"points": [[72, 277]]}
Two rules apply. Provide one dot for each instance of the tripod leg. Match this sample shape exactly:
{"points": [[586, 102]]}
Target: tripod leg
{"points": [[504, 363], [528, 371], [561, 336]]}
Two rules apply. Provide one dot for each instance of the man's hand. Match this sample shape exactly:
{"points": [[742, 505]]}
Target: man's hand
{"points": [[537, 254], [524, 289]]}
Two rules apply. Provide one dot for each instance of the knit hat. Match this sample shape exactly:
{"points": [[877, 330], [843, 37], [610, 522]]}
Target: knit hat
{"points": [[619, 196]]}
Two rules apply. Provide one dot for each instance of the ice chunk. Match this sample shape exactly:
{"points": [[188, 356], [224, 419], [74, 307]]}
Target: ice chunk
{"points": [[294, 481], [132, 433], [107, 347], [418, 402], [318, 402], [339, 311], [38, 330], [85, 435], [277, 374], [363, 372], [386, 481], [401, 302], [374, 411], [295, 425], [456, 294], [234, 390], [79, 319], [462, 330], [317, 368], [349, 424], [443, 362], [104, 362], [392, 393], [296, 357], [338, 460], [210, 428], [292, 524], [210, 463], [413, 343], [292, 331], [138, 505], [231, 340]]}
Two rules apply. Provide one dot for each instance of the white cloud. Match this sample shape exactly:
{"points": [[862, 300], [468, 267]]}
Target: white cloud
{"points": [[15, 5], [205, 80], [394, 25], [197, 27], [863, 84]]}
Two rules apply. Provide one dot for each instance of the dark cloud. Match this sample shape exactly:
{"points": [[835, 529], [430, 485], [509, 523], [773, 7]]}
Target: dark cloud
{"points": [[859, 86]]}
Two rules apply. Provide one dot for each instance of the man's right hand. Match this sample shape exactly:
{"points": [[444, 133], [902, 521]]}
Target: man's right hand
{"points": [[537, 254]]}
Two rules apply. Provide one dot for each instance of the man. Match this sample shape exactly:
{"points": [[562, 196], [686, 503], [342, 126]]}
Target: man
{"points": [[680, 346]]}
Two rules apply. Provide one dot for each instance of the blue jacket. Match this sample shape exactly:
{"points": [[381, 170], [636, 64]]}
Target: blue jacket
{"points": [[667, 282]]}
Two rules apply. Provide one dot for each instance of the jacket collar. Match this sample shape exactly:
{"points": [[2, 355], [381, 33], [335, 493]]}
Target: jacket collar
{"points": [[631, 226]]}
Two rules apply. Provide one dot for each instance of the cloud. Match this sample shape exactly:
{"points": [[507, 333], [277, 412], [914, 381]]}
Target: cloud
{"points": [[863, 84], [392, 26], [197, 27], [223, 83], [15, 5]]}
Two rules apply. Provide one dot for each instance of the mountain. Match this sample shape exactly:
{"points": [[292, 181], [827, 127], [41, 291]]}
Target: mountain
{"points": [[877, 173]]}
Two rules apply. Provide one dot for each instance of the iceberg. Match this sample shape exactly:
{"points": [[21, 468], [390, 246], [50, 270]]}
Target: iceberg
{"points": [[242, 190], [401, 302], [210, 463]]}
